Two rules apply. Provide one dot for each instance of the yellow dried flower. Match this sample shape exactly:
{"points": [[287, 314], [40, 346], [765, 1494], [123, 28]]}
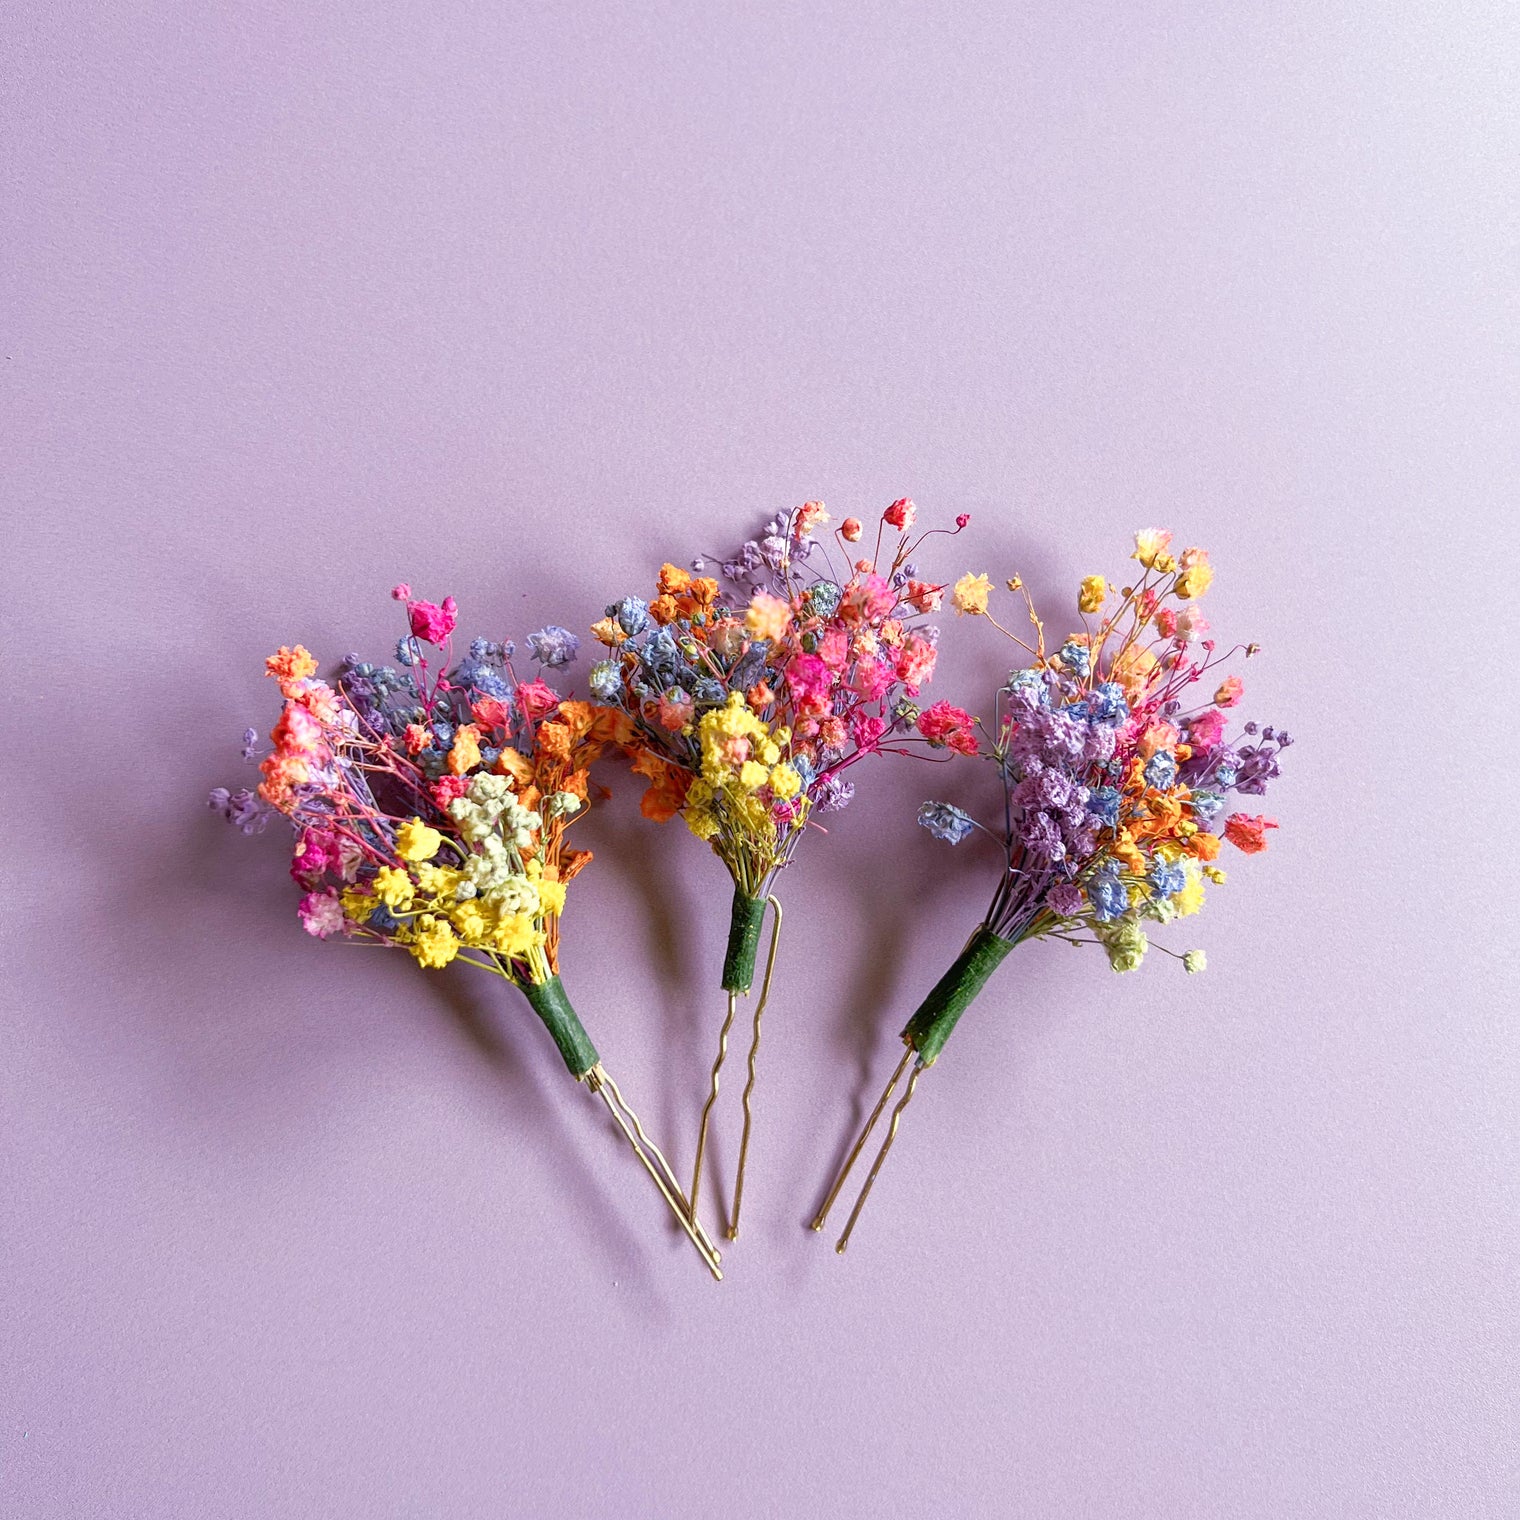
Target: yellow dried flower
{"points": [[768, 617], [1149, 543], [394, 888], [516, 935], [970, 594], [470, 920], [1196, 577], [434, 942], [416, 841], [785, 783]]}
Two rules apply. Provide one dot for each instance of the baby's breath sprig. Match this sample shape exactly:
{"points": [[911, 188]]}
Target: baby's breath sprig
{"points": [[431, 806], [1114, 784], [755, 692]]}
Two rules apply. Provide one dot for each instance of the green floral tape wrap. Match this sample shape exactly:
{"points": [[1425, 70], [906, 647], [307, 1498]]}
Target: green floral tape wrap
{"points": [[953, 993], [553, 1007], [743, 942]]}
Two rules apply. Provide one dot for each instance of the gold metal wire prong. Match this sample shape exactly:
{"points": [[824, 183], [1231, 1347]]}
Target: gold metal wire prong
{"points": [[599, 1083], [881, 1156], [672, 1187], [712, 1097], [860, 1140], [754, 1051]]}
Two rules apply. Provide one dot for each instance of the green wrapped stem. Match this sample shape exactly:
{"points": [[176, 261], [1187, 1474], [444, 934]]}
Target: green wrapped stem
{"points": [[743, 942], [953, 993], [553, 1007]]}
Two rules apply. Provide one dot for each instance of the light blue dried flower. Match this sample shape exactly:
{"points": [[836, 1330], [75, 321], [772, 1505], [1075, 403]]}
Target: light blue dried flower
{"points": [[945, 821]]}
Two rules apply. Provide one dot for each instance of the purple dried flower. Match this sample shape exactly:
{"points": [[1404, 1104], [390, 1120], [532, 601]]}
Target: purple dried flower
{"points": [[553, 646], [832, 794], [1257, 767], [244, 810], [1042, 837]]}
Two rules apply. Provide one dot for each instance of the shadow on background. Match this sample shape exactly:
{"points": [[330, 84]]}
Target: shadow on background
{"points": [[900, 877], [233, 1047], [245, 1044]]}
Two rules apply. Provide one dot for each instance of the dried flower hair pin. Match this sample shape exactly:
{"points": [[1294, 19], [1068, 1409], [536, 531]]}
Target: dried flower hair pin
{"points": [[1114, 796], [752, 702], [430, 805]]}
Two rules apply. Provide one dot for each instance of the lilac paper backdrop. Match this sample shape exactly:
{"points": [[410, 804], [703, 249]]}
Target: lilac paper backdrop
{"points": [[514, 301]]}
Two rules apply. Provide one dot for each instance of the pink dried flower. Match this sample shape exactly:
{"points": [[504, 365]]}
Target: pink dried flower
{"points": [[431, 622], [315, 854], [810, 682], [872, 679], [321, 914], [447, 789], [924, 596], [915, 662], [944, 723], [1191, 624], [834, 647], [538, 698], [866, 729], [297, 732], [675, 709], [1206, 729], [866, 599]]}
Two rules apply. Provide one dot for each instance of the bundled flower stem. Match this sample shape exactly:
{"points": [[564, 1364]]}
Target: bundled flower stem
{"points": [[431, 806], [751, 704], [1114, 778]]}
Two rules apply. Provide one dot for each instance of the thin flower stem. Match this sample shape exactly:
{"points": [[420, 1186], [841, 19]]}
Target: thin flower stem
{"points": [[1009, 634]]}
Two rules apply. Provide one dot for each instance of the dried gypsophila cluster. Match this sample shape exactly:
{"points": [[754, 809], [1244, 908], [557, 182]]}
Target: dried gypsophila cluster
{"points": [[1115, 778], [751, 702]]}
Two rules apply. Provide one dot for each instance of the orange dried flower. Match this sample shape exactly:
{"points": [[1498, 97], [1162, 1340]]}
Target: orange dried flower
{"points": [[554, 741], [291, 664], [515, 764], [1203, 845], [464, 753], [572, 863]]}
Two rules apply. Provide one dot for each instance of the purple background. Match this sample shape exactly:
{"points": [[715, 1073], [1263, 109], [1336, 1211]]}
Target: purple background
{"points": [[514, 301]]}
